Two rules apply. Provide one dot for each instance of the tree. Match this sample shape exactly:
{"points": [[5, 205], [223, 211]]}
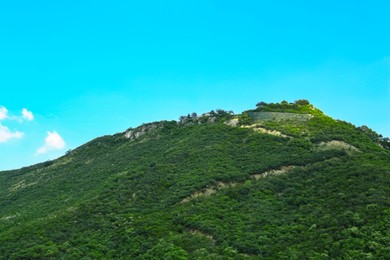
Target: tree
{"points": [[166, 250], [302, 102], [261, 103]]}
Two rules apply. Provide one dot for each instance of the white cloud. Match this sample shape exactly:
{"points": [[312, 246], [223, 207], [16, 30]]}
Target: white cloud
{"points": [[28, 115], [6, 134], [3, 113], [53, 141]]}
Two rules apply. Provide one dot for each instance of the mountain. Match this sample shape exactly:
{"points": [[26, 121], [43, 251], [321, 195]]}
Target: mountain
{"points": [[281, 181]]}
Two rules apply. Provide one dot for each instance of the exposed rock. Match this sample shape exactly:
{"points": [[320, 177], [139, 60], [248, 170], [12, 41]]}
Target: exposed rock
{"points": [[279, 116], [336, 145], [223, 185], [211, 119], [209, 191], [192, 120], [233, 122], [282, 170], [142, 130], [262, 130]]}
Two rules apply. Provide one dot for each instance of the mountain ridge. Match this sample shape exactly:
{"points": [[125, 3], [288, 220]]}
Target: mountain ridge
{"points": [[213, 186]]}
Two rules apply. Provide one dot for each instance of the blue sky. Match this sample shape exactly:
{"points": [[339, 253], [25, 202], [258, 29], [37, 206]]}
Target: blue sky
{"points": [[82, 69]]}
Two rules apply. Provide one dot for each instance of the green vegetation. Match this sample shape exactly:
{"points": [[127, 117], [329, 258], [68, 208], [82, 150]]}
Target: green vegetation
{"points": [[135, 197]]}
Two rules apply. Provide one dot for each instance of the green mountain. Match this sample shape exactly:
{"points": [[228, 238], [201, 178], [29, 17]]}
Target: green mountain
{"points": [[282, 181]]}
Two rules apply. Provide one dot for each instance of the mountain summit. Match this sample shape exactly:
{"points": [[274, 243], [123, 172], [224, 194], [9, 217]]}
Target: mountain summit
{"points": [[281, 181]]}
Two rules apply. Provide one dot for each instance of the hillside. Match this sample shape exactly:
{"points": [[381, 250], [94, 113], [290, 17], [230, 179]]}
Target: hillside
{"points": [[281, 181]]}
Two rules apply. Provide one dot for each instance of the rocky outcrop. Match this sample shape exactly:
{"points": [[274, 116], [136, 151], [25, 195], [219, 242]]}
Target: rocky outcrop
{"points": [[233, 122], [337, 145], [135, 133], [258, 128]]}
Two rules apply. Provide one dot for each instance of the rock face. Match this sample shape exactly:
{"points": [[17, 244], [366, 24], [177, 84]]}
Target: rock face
{"points": [[233, 122], [279, 116], [196, 120], [190, 120], [337, 145], [135, 133], [258, 128]]}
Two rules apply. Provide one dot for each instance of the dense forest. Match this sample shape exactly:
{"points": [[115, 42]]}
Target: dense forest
{"points": [[280, 181]]}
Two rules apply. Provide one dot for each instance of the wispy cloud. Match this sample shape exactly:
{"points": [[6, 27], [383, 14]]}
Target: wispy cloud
{"points": [[6, 134], [53, 141], [28, 115], [3, 113]]}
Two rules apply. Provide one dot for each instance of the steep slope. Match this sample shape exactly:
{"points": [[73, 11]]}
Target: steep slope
{"points": [[280, 181]]}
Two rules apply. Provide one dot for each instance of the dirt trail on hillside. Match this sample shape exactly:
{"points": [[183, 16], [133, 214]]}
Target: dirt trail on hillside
{"points": [[283, 170], [223, 185]]}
